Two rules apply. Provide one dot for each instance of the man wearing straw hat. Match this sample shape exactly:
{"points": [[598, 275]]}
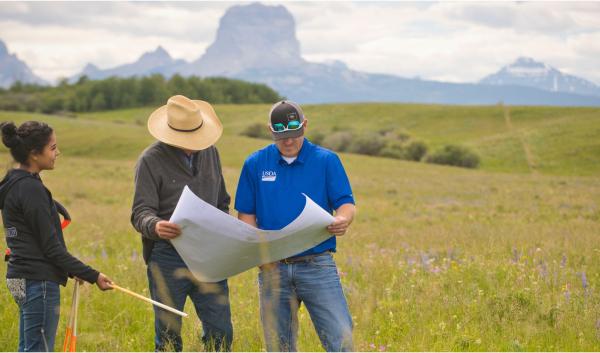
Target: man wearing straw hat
{"points": [[270, 196], [184, 154]]}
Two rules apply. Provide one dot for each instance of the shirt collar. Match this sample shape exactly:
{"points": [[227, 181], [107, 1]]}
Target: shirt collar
{"points": [[183, 158], [302, 155]]}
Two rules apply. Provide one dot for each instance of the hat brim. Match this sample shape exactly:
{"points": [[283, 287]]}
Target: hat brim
{"points": [[288, 134], [207, 135]]}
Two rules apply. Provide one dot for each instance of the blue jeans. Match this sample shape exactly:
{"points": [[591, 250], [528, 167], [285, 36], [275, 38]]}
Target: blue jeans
{"points": [[283, 287], [39, 310], [171, 283]]}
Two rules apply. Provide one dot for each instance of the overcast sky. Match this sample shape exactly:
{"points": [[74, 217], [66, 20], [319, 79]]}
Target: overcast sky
{"points": [[448, 41]]}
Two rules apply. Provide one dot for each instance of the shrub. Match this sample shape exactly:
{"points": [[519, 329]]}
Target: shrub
{"points": [[393, 149], [256, 130], [402, 135], [455, 155], [369, 144], [415, 151], [338, 141], [316, 137]]}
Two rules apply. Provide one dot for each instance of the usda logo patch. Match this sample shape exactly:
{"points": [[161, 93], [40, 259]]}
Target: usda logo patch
{"points": [[268, 175]]}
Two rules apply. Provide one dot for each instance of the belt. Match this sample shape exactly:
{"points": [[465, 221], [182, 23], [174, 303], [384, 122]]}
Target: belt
{"points": [[305, 258]]}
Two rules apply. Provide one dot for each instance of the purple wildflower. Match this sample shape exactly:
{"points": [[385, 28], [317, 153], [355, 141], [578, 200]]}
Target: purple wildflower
{"points": [[451, 253], [516, 255], [543, 269], [349, 261], [584, 281], [563, 262], [425, 260]]}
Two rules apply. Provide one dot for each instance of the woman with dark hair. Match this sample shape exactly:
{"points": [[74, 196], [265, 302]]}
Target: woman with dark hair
{"points": [[39, 261]]}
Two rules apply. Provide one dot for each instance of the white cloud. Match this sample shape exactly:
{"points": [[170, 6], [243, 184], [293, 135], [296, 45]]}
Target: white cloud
{"points": [[454, 41], [458, 42]]}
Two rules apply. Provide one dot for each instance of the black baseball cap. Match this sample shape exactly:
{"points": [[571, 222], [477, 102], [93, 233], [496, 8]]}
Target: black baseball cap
{"points": [[284, 112]]}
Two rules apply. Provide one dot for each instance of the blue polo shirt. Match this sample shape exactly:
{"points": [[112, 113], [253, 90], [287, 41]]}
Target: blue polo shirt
{"points": [[271, 189]]}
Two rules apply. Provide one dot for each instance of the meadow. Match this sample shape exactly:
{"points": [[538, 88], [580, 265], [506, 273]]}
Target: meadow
{"points": [[503, 258]]}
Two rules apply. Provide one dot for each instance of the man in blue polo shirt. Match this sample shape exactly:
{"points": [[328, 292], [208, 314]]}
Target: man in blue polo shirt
{"points": [[269, 196]]}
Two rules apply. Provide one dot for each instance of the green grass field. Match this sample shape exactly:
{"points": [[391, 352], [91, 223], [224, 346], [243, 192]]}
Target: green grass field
{"points": [[504, 258]]}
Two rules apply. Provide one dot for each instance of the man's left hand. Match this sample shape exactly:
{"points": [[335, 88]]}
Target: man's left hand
{"points": [[339, 226]]}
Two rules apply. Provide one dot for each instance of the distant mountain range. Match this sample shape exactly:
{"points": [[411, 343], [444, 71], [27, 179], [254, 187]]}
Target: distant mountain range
{"points": [[12, 69], [258, 43], [531, 73]]}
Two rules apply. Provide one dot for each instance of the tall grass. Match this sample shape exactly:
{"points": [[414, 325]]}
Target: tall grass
{"points": [[439, 258]]}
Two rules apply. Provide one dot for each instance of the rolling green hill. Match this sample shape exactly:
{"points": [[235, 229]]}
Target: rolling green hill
{"points": [[504, 258], [548, 140]]}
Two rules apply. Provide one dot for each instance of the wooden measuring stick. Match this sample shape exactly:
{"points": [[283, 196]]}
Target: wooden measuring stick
{"points": [[160, 305], [74, 335], [69, 330]]}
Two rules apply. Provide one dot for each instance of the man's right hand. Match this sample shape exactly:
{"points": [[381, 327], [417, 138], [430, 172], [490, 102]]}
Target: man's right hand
{"points": [[167, 230]]}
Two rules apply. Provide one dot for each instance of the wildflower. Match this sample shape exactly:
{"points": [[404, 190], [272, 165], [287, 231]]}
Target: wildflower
{"points": [[134, 256], [563, 262], [349, 260], [382, 348], [567, 294], [544, 270], [451, 253], [425, 260], [372, 345], [584, 282], [516, 255], [104, 255]]}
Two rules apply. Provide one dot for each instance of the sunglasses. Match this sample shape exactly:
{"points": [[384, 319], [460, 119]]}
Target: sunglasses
{"points": [[291, 126]]}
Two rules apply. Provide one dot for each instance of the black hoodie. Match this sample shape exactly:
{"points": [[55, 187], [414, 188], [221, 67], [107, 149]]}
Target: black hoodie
{"points": [[33, 232]]}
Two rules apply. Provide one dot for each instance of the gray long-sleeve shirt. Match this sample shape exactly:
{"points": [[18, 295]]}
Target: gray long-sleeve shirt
{"points": [[160, 176]]}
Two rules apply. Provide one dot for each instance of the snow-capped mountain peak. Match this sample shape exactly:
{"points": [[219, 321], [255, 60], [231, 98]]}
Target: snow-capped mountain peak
{"points": [[529, 72]]}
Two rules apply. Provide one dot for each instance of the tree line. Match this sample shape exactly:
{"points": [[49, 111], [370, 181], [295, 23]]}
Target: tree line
{"points": [[87, 95]]}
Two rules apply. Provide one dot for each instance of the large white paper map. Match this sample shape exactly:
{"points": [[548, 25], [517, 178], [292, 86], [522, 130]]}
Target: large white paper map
{"points": [[215, 245]]}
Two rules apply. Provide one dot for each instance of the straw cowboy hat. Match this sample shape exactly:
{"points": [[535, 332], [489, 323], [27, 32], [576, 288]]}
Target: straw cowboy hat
{"points": [[185, 123]]}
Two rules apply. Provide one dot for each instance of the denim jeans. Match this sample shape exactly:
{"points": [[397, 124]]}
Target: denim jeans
{"points": [[315, 282], [39, 310], [171, 283]]}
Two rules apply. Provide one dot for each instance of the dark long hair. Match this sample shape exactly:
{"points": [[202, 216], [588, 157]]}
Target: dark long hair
{"points": [[31, 136]]}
